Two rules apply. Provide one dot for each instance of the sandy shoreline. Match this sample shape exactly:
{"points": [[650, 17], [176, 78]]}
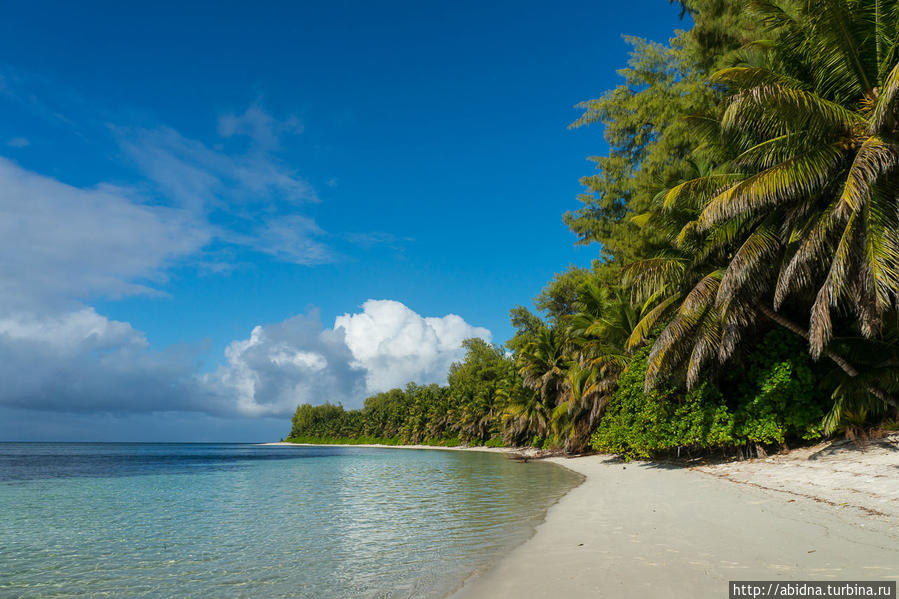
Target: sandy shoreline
{"points": [[458, 448], [651, 530], [840, 474], [529, 452], [829, 512]]}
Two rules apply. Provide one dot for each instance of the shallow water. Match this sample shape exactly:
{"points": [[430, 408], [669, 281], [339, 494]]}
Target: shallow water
{"points": [[230, 520]]}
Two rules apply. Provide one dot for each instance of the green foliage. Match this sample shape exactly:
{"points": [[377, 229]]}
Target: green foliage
{"points": [[647, 126], [786, 210], [779, 394], [447, 442], [772, 400], [560, 296], [642, 425], [385, 414], [527, 327], [326, 420], [476, 407]]}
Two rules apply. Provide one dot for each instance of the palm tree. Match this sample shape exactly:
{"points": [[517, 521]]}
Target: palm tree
{"points": [[544, 364], [604, 319], [588, 389], [805, 206], [544, 367], [525, 416], [597, 332]]}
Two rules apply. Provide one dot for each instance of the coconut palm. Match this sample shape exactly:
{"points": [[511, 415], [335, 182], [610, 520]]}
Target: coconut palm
{"points": [[805, 207], [526, 414], [597, 333], [544, 364]]}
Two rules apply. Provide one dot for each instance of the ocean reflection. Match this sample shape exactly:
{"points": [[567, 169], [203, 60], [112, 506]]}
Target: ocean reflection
{"points": [[249, 521]]}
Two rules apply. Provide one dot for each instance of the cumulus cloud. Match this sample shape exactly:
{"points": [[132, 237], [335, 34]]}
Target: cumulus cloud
{"points": [[299, 361], [394, 344], [285, 364], [80, 361]]}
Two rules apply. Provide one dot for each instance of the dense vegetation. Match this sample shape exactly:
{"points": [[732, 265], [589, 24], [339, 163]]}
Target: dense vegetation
{"points": [[747, 222]]}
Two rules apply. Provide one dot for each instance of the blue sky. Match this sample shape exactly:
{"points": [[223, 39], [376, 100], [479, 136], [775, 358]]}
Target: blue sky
{"points": [[213, 211]]}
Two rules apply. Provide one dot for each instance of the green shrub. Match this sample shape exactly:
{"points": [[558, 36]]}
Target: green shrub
{"points": [[641, 425], [778, 395], [770, 398]]}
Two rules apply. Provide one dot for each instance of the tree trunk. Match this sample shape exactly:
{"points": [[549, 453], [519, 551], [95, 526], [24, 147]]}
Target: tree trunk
{"points": [[837, 359]]}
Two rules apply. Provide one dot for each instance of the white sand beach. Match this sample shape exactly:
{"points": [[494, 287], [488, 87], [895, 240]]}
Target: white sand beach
{"points": [[528, 451], [657, 531], [654, 530], [846, 476]]}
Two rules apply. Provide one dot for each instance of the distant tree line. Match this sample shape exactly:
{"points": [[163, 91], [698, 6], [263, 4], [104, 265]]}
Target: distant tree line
{"points": [[470, 409]]}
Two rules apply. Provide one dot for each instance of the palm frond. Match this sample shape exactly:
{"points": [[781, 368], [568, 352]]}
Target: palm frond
{"points": [[771, 110], [649, 321], [835, 286], [674, 344], [874, 159], [744, 271], [800, 176], [695, 192], [884, 117], [799, 270], [745, 77], [646, 277], [708, 339]]}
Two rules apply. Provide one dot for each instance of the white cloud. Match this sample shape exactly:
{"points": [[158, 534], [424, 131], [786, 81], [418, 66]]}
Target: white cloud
{"points": [[285, 364], [395, 344], [18, 142], [235, 187], [235, 180], [80, 361], [298, 361], [61, 241], [65, 245], [71, 332], [203, 178], [292, 238]]}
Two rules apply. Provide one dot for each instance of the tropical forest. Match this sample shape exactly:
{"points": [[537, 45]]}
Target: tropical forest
{"points": [[746, 227]]}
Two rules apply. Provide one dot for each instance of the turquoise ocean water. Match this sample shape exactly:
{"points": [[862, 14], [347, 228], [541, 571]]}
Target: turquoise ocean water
{"points": [[231, 520]]}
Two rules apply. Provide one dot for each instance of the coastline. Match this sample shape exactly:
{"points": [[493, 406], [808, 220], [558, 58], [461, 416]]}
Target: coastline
{"points": [[528, 452], [827, 512], [657, 530]]}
